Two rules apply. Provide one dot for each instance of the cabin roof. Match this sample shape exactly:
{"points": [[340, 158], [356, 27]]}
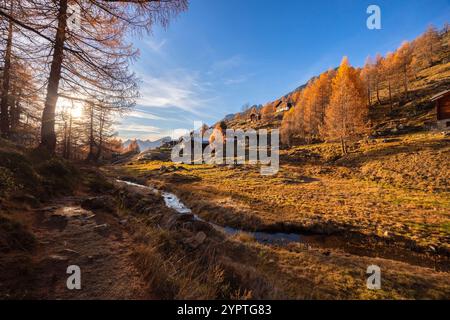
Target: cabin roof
{"points": [[440, 95], [278, 103]]}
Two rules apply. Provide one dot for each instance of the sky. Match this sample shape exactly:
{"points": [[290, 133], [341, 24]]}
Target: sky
{"points": [[222, 54]]}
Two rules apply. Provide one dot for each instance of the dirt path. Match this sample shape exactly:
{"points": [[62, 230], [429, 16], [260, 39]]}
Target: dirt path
{"points": [[96, 242]]}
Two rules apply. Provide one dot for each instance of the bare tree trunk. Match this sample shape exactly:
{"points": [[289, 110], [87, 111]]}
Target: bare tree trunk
{"points": [[405, 81], [69, 138], [378, 92], [343, 146], [100, 142], [390, 94], [15, 111], [48, 135], [91, 155], [65, 140], [4, 118]]}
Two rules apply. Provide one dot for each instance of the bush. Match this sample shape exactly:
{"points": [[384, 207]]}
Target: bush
{"points": [[7, 182], [59, 175], [54, 167], [20, 167], [14, 236], [96, 182]]}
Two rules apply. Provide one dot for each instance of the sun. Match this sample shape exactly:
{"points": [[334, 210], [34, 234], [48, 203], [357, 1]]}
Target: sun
{"points": [[75, 108]]}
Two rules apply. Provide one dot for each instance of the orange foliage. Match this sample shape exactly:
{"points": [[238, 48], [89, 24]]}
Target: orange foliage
{"points": [[346, 114]]}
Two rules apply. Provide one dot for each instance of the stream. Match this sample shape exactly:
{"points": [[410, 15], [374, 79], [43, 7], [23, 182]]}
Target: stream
{"points": [[173, 202], [360, 248]]}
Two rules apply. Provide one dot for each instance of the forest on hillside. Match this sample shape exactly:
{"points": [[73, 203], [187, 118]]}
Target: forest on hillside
{"points": [[342, 104]]}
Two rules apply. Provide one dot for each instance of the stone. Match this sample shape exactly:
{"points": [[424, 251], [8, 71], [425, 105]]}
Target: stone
{"points": [[101, 226], [70, 251], [106, 203], [195, 241], [56, 257]]}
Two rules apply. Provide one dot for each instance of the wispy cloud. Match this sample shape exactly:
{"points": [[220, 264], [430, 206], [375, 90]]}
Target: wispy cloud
{"points": [[226, 64], [236, 80], [178, 88], [141, 114], [155, 45], [137, 128]]}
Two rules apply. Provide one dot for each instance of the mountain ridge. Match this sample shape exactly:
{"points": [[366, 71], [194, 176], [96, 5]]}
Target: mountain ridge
{"points": [[145, 145]]}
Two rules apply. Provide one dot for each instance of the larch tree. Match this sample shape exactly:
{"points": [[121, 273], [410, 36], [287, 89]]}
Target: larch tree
{"points": [[306, 116], [299, 127], [23, 97], [268, 111], [19, 93], [287, 127], [346, 114], [402, 60], [323, 94], [378, 74], [427, 47], [388, 71], [367, 74], [4, 113], [90, 61]]}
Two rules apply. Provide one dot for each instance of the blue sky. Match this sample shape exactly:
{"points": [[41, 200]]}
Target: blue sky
{"points": [[221, 54]]}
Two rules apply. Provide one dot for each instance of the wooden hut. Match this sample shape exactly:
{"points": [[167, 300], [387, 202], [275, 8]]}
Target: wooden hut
{"points": [[442, 101]]}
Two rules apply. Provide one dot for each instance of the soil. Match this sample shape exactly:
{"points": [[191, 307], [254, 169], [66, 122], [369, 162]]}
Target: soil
{"points": [[96, 242]]}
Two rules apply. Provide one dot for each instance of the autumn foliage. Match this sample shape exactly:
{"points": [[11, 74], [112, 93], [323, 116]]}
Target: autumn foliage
{"points": [[335, 105], [346, 114]]}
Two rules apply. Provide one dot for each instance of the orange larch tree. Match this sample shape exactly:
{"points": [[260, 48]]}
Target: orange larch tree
{"points": [[346, 114], [402, 60]]}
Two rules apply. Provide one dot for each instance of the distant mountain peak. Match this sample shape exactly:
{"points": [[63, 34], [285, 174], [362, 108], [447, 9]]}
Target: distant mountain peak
{"points": [[145, 145]]}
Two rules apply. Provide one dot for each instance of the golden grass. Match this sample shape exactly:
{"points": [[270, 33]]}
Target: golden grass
{"points": [[312, 191], [380, 187]]}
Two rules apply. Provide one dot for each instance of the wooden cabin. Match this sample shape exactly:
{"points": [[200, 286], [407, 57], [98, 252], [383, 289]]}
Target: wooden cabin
{"points": [[283, 106], [255, 115], [442, 101]]}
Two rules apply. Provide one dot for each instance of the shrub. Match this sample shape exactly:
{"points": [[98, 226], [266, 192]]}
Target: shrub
{"points": [[14, 236], [20, 167], [7, 182], [59, 175]]}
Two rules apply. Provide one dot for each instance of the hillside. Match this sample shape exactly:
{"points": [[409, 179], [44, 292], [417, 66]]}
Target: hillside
{"points": [[413, 112]]}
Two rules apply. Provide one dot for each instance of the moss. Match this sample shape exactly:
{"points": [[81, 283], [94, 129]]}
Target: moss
{"points": [[14, 236]]}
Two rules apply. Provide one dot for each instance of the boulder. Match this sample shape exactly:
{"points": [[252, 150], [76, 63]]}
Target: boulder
{"points": [[106, 203]]}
